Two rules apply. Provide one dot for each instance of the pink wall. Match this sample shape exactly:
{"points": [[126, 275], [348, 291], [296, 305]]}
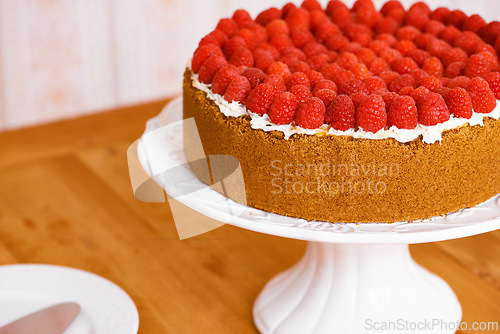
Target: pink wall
{"points": [[62, 58]]}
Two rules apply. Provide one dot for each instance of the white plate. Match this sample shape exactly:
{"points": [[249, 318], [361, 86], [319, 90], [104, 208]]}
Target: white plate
{"points": [[105, 307]]}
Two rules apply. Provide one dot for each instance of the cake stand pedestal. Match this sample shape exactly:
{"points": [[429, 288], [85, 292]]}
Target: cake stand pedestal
{"points": [[353, 278]]}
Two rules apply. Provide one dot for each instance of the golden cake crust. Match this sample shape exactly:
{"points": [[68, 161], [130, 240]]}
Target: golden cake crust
{"points": [[343, 179]]}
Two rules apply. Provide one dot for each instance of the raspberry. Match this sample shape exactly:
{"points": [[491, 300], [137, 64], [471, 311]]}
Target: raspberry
{"points": [[336, 42], [301, 36], [367, 15], [459, 103], [374, 84], [311, 114], [445, 81], [433, 66], [260, 99], [474, 23], [440, 14], [419, 93], [298, 78], [438, 47], [314, 77], [389, 98], [254, 75], [444, 91], [325, 95], [390, 56], [287, 8], [450, 34], [457, 18], [283, 109], [403, 113], [417, 17], [353, 86], [432, 110], [483, 99], [434, 27], [378, 46], [459, 81], [242, 57], [263, 59], [325, 84], [358, 99], [467, 41], [277, 27], [242, 18], [281, 42], [341, 16], [397, 15], [371, 115], [318, 18], [311, 5], [390, 5], [277, 82], [386, 25], [360, 71], [493, 80], [491, 57], [419, 76], [400, 82], [209, 39], [340, 114], [298, 17], [366, 56], [299, 66], [432, 83], [260, 32], [342, 77], [406, 91], [360, 3], [268, 15], [269, 48], [249, 37], [301, 92], [420, 5], [334, 5], [326, 30], [407, 33], [490, 32], [477, 66], [228, 26], [330, 71], [314, 48], [210, 67], [378, 65], [223, 78], [405, 47], [238, 90], [454, 55], [297, 53], [352, 47], [388, 76], [280, 69], [423, 40], [235, 43], [202, 54], [455, 69], [317, 62], [404, 65]]}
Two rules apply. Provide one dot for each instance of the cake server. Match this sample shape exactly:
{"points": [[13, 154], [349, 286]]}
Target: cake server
{"points": [[51, 320]]}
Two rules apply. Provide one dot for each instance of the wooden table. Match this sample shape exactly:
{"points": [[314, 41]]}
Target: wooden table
{"points": [[66, 199]]}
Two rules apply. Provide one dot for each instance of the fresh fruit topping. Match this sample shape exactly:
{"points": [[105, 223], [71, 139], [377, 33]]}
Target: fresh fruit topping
{"points": [[340, 114], [301, 92], [459, 103], [223, 78], [311, 113], [228, 26], [432, 110], [403, 113], [283, 108], [325, 95], [260, 99], [477, 66], [238, 90], [493, 80], [254, 75], [298, 78], [202, 54], [353, 86], [433, 66], [374, 84], [210, 67], [371, 115], [483, 99], [242, 57]]}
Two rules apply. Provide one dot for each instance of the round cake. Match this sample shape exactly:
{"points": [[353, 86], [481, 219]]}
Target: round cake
{"points": [[352, 114]]}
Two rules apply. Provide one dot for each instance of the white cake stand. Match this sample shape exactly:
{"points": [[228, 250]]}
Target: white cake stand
{"points": [[353, 278]]}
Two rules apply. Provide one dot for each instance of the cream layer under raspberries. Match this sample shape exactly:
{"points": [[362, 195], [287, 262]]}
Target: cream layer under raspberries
{"points": [[430, 134]]}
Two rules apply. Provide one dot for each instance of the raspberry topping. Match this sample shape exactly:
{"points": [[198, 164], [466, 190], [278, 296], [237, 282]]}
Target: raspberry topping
{"points": [[343, 66]]}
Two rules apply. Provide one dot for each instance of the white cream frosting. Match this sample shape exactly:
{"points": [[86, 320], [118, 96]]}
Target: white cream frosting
{"points": [[430, 134]]}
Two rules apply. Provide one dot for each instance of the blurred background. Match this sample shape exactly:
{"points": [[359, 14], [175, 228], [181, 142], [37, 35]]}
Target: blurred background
{"points": [[66, 58]]}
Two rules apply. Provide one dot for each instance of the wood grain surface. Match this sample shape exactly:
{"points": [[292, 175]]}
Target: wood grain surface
{"points": [[66, 199]]}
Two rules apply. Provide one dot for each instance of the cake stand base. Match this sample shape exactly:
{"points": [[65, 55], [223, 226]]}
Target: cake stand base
{"points": [[356, 288]]}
